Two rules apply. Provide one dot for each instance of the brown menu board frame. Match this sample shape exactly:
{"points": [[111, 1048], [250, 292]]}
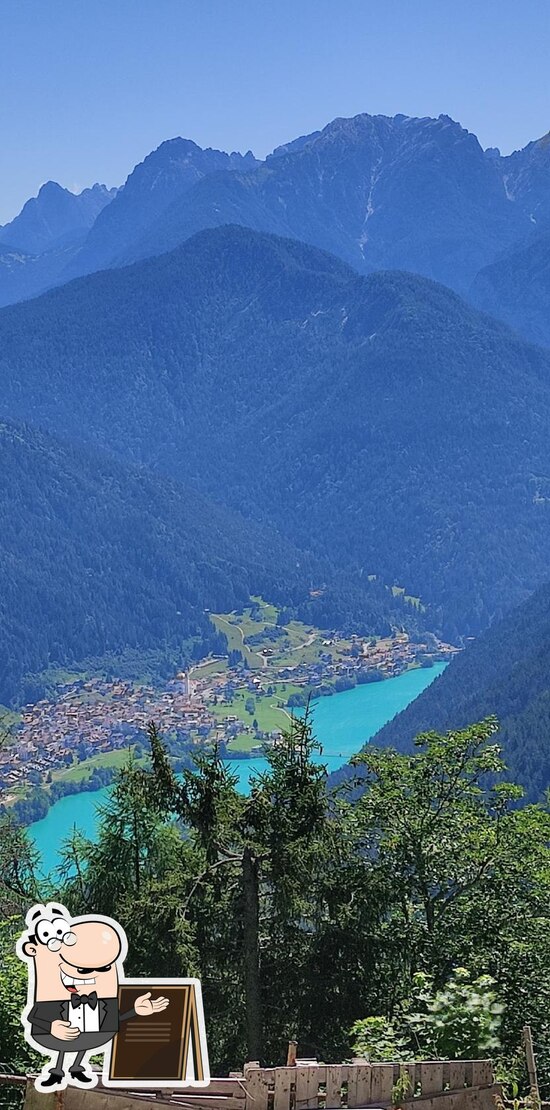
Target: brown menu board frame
{"points": [[154, 1051]]}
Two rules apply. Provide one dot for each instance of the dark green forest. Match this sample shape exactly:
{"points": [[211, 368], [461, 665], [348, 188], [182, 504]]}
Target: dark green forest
{"points": [[516, 288], [504, 672], [99, 557], [411, 924], [269, 375]]}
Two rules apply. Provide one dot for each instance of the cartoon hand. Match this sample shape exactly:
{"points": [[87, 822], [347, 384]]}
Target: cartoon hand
{"points": [[145, 1005], [64, 1031]]}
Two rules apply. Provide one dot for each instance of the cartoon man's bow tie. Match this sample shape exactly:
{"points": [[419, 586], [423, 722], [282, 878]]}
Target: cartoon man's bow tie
{"points": [[84, 1000]]}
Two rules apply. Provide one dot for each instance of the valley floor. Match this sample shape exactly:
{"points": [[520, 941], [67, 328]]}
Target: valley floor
{"points": [[241, 701]]}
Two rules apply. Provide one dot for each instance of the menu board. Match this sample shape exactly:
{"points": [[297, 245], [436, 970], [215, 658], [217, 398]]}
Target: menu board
{"points": [[164, 1049]]}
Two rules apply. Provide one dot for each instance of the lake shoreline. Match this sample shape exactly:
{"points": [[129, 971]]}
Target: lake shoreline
{"points": [[343, 724]]}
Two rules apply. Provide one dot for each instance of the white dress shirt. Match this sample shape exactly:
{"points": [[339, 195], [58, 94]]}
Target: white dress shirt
{"points": [[85, 1018]]}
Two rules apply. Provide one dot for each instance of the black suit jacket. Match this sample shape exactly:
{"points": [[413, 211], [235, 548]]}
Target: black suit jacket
{"points": [[43, 1013]]}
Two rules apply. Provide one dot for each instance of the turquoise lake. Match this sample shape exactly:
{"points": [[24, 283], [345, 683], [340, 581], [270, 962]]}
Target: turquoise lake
{"points": [[342, 724]]}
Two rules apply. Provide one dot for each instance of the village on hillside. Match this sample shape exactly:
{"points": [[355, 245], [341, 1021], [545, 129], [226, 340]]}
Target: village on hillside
{"points": [[241, 700]]}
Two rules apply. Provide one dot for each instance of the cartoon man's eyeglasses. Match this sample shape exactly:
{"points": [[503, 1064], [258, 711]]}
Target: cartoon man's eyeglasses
{"points": [[54, 933]]}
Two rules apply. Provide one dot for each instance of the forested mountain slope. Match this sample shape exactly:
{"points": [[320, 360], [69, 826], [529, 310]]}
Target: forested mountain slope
{"points": [[98, 556], [376, 419], [516, 289], [505, 672]]}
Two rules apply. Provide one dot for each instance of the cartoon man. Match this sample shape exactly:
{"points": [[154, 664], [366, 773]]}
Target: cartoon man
{"points": [[72, 1003]]}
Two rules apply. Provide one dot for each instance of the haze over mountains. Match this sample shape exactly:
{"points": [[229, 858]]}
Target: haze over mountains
{"points": [[54, 215], [379, 192], [377, 421], [516, 288], [340, 410], [36, 246], [170, 171]]}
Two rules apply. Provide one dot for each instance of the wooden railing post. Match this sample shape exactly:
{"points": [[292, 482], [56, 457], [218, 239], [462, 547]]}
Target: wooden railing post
{"points": [[291, 1054], [531, 1062]]}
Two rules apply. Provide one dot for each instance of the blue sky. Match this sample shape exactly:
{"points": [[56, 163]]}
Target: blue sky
{"points": [[89, 87]]}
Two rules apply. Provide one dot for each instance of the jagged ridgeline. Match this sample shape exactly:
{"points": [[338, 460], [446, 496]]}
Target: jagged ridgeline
{"points": [[97, 556], [39, 243], [379, 192], [377, 421]]}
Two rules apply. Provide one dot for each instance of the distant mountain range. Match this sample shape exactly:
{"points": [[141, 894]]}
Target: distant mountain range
{"points": [[36, 246], [238, 410], [97, 556], [168, 173], [379, 192], [55, 216], [504, 673], [378, 421]]}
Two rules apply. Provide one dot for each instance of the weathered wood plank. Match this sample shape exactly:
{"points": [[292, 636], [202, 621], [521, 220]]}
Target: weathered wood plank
{"points": [[431, 1077], [352, 1086], [381, 1083], [363, 1084], [107, 1099], [457, 1075], [232, 1088], [209, 1102], [302, 1087], [469, 1098], [257, 1090], [284, 1078], [333, 1100], [482, 1073], [316, 1075]]}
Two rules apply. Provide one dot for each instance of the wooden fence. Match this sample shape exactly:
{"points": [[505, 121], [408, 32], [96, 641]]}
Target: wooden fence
{"points": [[350, 1086], [426, 1085]]}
